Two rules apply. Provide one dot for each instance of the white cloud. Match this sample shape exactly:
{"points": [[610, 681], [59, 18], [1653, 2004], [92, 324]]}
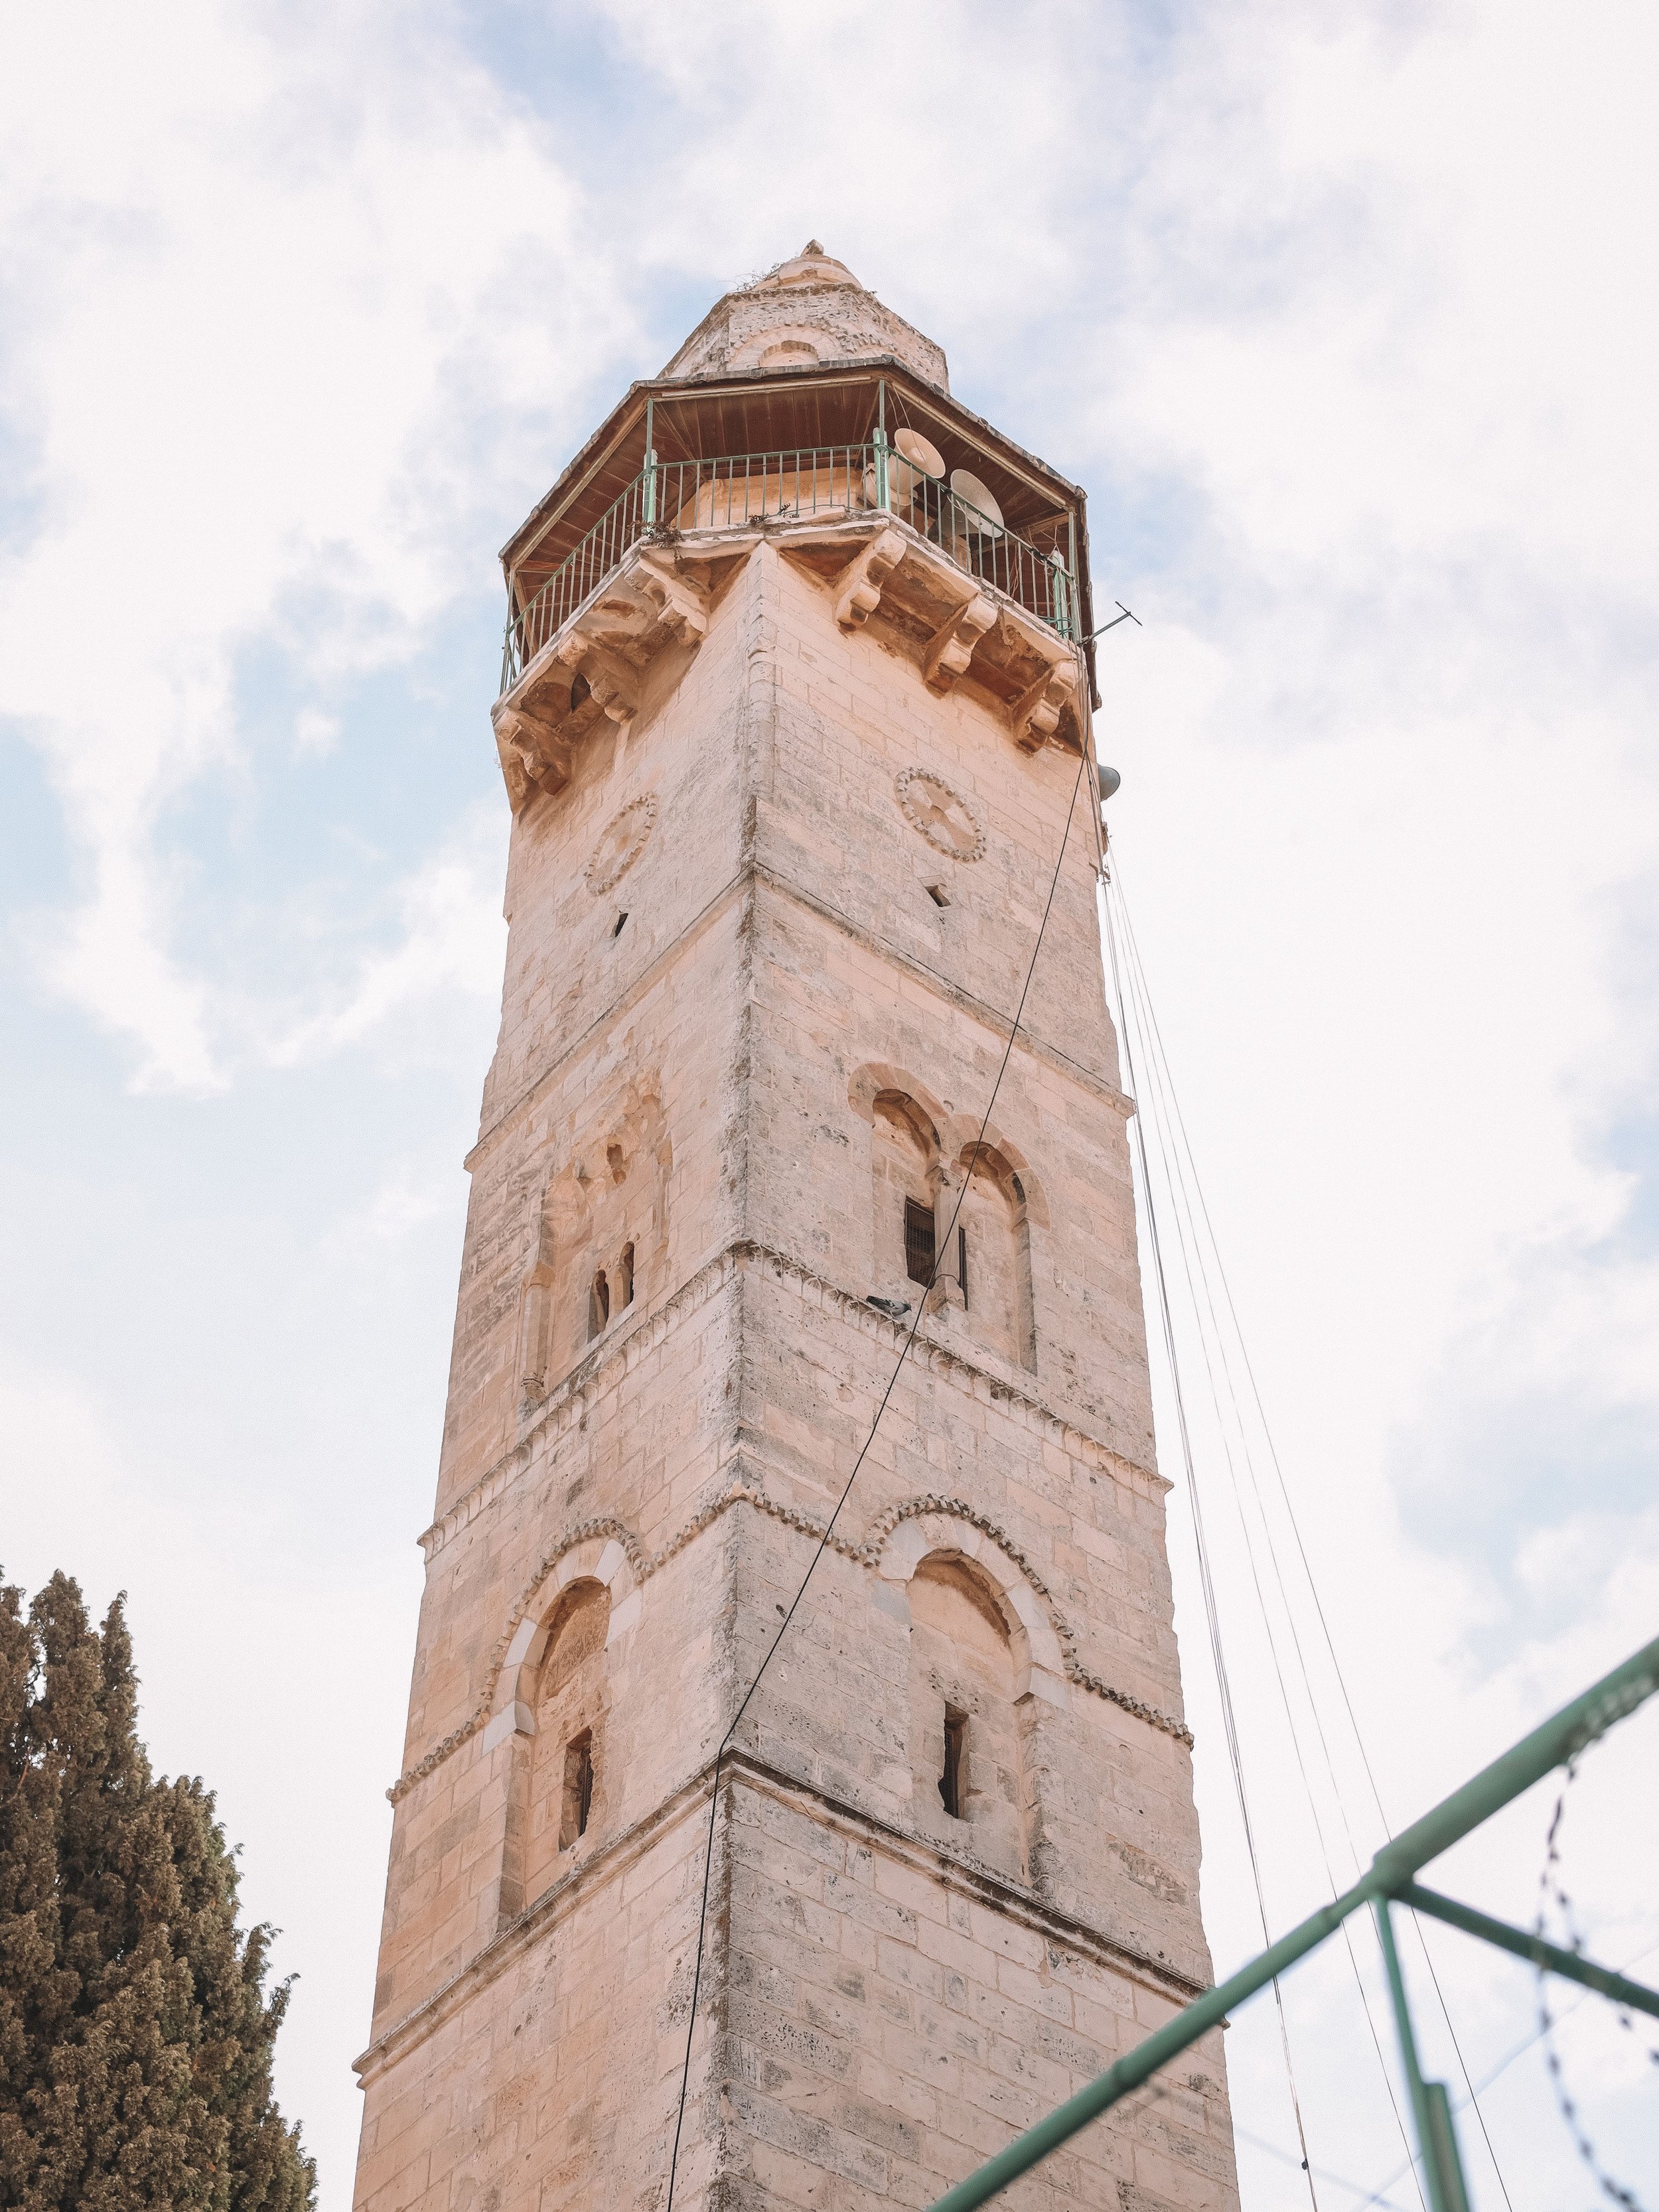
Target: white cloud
{"points": [[280, 286], [1347, 320], [454, 938]]}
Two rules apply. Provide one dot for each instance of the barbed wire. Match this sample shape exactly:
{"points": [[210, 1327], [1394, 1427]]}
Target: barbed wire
{"points": [[1553, 1891]]}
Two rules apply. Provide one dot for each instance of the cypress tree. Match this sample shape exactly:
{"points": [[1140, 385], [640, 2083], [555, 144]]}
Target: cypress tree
{"points": [[136, 2031]]}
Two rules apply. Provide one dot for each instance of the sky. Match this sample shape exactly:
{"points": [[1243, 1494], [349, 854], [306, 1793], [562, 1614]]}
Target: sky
{"points": [[1345, 318]]}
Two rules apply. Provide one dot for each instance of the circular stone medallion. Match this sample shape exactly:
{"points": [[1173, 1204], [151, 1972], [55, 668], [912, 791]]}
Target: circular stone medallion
{"points": [[621, 844], [949, 822]]}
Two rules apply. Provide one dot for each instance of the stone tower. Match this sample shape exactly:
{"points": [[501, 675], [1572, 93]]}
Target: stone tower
{"points": [[794, 705]]}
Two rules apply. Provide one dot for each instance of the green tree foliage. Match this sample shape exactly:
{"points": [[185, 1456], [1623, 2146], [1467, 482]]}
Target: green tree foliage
{"points": [[135, 2033]]}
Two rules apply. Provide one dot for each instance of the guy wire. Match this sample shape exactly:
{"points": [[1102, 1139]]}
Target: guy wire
{"points": [[829, 1527], [1158, 1096], [1205, 1581], [1166, 1099]]}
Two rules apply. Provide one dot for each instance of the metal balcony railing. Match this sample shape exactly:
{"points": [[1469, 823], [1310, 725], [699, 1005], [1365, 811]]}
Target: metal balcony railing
{"points": [[685, 497]]}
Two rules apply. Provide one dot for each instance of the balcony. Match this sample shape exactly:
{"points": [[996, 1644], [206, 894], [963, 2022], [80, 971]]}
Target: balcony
{"points": [[966, 588], [670, 501]]}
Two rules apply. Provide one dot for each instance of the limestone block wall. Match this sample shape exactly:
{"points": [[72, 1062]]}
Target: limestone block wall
{"points": [[600, 1027], [956, 1859], [888, 2024]]}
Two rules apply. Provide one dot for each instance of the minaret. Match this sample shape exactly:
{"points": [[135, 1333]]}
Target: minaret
{"points": [[794, 706]]}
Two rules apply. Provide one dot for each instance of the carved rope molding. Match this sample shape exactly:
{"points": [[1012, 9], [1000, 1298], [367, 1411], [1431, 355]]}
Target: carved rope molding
{"points": [[867, 1553]]}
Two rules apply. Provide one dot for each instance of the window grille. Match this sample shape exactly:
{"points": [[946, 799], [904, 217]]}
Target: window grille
{"points": [[918, 1241], [578, 1789], [950, 1792]]}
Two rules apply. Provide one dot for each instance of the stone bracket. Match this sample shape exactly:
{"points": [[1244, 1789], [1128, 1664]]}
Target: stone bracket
{"points": [[858, 588], [533, 757], [615, 686], [682, 605], [1035, 715], [951, 647]]}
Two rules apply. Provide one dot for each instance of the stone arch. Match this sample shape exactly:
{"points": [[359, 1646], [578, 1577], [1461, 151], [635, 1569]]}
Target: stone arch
{"points": [[903, 1225], [980, 1705], [601, 1556], [603, 1213], [867, 1083], [961, 1133], [765, 349], [992, 1262], [592, 1568], [928, 1527]]}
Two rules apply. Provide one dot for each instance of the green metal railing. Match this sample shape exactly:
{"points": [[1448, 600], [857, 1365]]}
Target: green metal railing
{"points": [[1391, 1881], [685, 497]]}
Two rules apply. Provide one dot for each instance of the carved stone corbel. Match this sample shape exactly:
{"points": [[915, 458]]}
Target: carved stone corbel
{"points": [[682, 605], [858, 588], [615, 686], [1035, 715], [951, 647], [532, 759]]}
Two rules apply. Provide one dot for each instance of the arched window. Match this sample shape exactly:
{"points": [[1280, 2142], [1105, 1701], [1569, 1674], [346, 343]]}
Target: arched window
{"points": [[967, 1767], [567, 1783], [598, 1305], [904, 1153], [994, 1257], [625, 1277]]}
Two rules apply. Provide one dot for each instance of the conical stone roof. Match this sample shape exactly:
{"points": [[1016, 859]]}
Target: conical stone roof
{"points": [[805, 311]]}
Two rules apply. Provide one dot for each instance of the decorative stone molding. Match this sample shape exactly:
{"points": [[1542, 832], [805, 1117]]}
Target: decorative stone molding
{"points": [[620, 842], [927, 1527], [591, 668], [599, 1551], [611, 1554], [533, 758], [939, 812]]}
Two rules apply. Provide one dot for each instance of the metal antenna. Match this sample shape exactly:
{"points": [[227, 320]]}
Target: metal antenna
{"points": [[1125, 616]]}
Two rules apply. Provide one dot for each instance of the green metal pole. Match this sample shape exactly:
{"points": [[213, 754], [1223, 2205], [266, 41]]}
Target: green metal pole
{"points": [[1139, 2065], [1442, 2168], [1611, 1699], [1533, 1948], [1566, 1733]]}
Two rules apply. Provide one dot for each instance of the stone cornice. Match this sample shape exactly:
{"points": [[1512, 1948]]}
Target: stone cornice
{"points": [[959, 1872], [570, 1397]]}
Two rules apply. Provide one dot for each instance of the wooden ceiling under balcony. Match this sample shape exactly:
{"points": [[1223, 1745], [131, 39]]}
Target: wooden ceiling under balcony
{"points": [[779, 411]]}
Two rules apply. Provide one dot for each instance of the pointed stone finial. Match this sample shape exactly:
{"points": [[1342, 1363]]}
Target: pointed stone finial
{"points": [[812, 246]]}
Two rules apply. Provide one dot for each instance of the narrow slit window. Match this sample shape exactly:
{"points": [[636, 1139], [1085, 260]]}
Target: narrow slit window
{"points": [[939, 894], [578, 1789], [625, 1277], [918, 1241], [961, 1264], [600, 1314], [621, 919], [951, 1783]]}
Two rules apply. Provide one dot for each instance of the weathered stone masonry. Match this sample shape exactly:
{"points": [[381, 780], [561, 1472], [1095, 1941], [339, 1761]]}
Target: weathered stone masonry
{"points": [[789, 788]]}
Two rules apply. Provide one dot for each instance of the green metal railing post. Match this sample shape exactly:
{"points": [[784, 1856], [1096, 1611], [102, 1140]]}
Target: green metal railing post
{"points": [[1618, 1988], [1566, 1733], [1437, 2140]]}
